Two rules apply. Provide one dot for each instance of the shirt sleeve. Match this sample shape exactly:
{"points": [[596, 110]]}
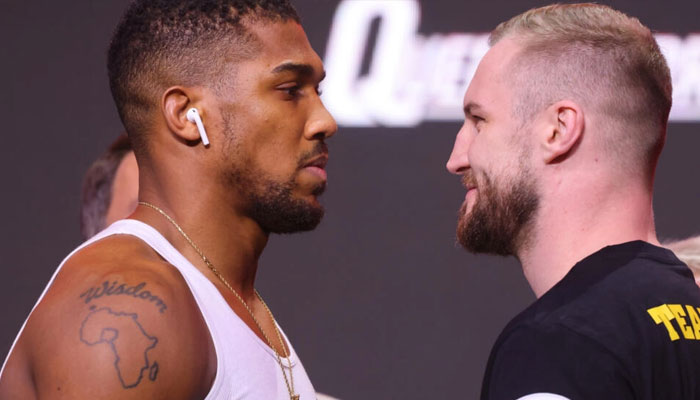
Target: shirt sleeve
{"points": [[553, 361]]}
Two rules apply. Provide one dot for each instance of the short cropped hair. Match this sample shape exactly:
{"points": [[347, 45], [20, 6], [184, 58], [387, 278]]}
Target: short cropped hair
{"points": [[161, 43], [96, 195], [688, 251], [602, 58]]}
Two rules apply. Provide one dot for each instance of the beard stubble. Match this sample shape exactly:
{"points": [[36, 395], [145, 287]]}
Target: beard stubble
{"points": [[501, 218]]}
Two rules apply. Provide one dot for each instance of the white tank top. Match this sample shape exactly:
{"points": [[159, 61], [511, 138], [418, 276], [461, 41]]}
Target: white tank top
{"points": [[246, 367]]}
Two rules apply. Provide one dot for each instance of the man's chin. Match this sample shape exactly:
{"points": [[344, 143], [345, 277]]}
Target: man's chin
{"points": [[302, 220], [318, 190], [473, 234], [311, 198], [477, 234], [297, 214], [463, 234], [463, 217]]}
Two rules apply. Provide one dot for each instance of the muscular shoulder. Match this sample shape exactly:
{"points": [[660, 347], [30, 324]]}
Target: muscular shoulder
{"points": [[118, 322]]}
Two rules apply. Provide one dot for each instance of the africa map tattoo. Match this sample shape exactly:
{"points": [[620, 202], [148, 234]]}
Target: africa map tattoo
{"points": [[112, 289], [104, 327]]}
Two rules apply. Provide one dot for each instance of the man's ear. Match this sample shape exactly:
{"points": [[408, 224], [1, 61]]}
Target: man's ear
{"points": [[175, 103], [563, 130]]}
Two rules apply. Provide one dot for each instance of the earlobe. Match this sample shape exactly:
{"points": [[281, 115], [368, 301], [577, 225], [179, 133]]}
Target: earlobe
{"points": [[176, 103], [564, 130]]}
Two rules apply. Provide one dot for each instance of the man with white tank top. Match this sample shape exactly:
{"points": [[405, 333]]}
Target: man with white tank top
{"points": [[220, 99]]}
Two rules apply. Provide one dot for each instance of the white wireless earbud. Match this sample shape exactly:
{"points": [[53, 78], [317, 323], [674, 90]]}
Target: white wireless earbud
{"points": [[193, 116]]}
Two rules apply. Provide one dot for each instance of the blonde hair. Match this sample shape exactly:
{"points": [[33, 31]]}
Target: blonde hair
{"points": [[688, 251], [603, 59]]}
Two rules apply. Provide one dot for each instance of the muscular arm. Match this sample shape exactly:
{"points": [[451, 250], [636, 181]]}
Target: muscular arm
{"points": [[129, 333]]}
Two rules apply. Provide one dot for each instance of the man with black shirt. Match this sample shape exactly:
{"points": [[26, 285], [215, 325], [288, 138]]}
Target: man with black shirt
{"points": [[565, 120]]}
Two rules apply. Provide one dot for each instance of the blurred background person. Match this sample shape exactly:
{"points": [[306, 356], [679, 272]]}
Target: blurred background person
{"points": [[688, 251], [110, 188]]}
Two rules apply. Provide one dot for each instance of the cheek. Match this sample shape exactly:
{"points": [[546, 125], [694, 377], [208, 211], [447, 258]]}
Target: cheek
{"points": [[276, 158], [271, 138], [492, 157], [480, 154], [272, 149], [277, 161]]}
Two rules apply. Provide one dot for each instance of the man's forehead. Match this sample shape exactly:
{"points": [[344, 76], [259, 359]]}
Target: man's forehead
{"points": [[491, 73], [284, 47]]}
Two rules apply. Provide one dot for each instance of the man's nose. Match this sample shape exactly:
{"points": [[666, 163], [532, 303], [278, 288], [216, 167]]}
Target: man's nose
{"points": [[321, 123], [458, 161]]}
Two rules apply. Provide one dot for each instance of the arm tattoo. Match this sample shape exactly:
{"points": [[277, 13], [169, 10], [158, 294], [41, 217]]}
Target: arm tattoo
{"points": [[103, 327], [115, 289]]}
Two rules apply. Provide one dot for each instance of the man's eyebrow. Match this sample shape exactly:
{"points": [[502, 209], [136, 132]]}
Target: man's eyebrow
{"points": [[471, 107], [301, 69]]}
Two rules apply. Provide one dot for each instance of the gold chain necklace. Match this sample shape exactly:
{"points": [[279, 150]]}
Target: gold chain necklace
{"points": [[289, 382]]}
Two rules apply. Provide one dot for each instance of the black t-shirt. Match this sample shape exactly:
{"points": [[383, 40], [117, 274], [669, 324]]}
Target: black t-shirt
{"points": [[622, 324]]}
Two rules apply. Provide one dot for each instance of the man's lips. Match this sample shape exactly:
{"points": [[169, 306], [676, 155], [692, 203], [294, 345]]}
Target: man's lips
{"points": [[317, 166], [471, 192], [470, 185], [319, 161]]}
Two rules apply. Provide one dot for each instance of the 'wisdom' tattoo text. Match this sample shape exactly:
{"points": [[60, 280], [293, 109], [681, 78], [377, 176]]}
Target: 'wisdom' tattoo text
{"points": [[116, 289]]}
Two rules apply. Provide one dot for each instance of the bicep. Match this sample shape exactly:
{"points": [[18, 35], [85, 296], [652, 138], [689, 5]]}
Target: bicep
{"points": [[554, 362]]}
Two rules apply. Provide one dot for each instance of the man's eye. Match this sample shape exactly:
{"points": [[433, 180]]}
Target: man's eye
{"points": [[290, 90], [477, 120], [293, 91]]}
